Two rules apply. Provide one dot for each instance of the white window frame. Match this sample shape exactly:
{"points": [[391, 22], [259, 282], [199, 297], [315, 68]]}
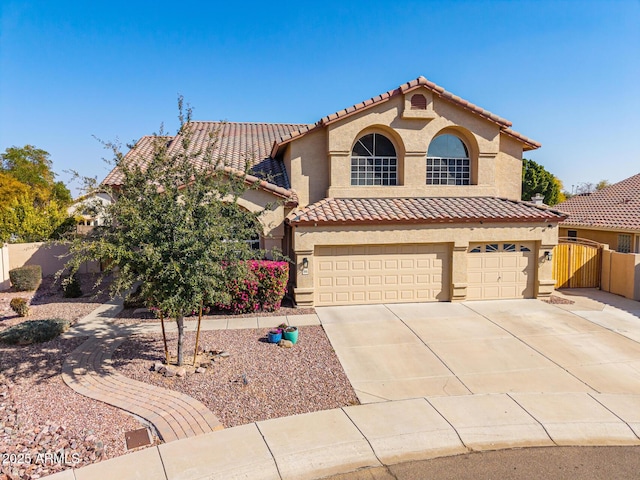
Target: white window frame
{"points": [[449, 170], [374, 170]]}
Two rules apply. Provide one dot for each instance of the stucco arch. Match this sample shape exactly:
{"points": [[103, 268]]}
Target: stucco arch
{"points": [[471, 143], [395, 139], [385, 130]]}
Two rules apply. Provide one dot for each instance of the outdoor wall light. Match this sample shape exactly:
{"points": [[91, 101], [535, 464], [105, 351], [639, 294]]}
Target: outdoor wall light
{"points": [[305, 262], [548, 255]]}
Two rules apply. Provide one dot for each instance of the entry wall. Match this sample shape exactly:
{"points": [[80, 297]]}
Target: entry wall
{"points": [[621, 274]]}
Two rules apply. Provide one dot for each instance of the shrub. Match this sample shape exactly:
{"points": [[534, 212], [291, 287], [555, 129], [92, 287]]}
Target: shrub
{"points": [[71, 287], [262, 289], [20, 306], [26, 278], [34, 331], [135, 299]]}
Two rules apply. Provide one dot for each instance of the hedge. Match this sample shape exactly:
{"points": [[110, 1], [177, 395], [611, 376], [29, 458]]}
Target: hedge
{"points": [[263, 289], [26, 278], [34, 331]]}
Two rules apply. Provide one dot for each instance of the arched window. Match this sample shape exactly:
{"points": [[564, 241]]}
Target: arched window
{"points": [[374, 161], [448, 161]]}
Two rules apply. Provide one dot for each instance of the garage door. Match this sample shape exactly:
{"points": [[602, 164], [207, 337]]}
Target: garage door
{"points": [[381, 274], [500, 270]]}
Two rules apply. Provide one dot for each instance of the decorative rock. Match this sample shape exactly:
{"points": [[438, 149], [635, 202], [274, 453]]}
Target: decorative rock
{"points": [[181, 372], [169, 372], [285, 343], [156, 367], [224, 354], [201, 370], [162, 369]]}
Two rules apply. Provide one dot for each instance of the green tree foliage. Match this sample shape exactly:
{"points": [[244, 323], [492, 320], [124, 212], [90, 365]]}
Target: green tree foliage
{"points": [[176, 229], [32, 204], [535, 179]]}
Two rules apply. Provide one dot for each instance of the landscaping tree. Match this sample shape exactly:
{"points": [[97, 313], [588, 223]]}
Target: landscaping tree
{"points": [[175, 228], [535, 179], [32, 204]]}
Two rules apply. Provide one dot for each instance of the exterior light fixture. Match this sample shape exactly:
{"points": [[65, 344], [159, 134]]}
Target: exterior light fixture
{"points": [[548, 255], [305, 262]]}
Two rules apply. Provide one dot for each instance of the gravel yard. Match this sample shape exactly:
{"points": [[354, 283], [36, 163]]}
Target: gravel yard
{"points": [[48, 302], [40, 415], [258, 381]]}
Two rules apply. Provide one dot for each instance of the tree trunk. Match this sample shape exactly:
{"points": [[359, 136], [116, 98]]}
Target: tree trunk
{"points": [[180, 322]]}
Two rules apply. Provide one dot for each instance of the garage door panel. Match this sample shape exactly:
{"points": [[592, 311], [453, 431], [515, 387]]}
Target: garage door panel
{"points": [[510, 261], [379, 273], [325, 266], [500, 270], [375, 296], [491, 262], [341, 281]]}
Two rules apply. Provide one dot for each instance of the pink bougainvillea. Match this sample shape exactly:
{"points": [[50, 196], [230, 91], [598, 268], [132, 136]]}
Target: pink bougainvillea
{"points": [[262, 289]]}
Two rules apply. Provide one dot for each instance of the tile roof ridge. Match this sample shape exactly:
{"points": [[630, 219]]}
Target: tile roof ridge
{"points": [[263, 184], [418, 82]]}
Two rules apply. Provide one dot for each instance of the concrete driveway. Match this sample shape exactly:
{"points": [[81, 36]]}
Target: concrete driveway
{"points": [[402, 351]]}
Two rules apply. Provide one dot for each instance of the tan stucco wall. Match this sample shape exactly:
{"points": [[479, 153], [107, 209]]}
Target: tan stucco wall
{"points": [[601, 236], [39, 253], [272, 218], [509, 168], [319, 162], [306, 238], [306, 163], [621, 274]]}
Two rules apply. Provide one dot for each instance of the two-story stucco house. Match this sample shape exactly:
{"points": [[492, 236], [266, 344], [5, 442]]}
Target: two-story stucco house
{"points": [[410, 196]]}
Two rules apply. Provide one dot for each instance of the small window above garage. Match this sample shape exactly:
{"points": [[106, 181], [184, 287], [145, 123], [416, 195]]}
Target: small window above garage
{"points": [[498, 247]]}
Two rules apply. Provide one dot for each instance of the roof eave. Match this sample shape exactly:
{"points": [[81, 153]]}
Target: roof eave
{"points": [[453, 221]]}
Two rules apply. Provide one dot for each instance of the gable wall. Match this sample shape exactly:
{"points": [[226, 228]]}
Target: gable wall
{"points": [[319, 162], [306, 162]]}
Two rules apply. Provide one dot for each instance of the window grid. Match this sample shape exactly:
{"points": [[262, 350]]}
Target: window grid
{"points": [[624, 243], [374, 171], [448, 171]]}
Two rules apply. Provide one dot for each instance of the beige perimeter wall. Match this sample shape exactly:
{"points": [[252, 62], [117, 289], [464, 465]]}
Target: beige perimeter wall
{"points": [[621, 274], [15, 255]]}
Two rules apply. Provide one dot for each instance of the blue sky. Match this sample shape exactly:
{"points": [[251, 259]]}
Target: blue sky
{"points": [[566, 73]]}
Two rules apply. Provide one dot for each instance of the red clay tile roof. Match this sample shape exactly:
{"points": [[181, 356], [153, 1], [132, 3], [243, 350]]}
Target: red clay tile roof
{"points": [[422, 210], [237, 143], [402, 89], [616, 207]]}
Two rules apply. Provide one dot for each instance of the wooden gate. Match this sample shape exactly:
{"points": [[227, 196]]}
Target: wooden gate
{"points": [[577, 263]]}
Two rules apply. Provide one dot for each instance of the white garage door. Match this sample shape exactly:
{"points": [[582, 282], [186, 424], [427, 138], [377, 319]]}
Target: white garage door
{"points": [[501, 270], [381, 274]]}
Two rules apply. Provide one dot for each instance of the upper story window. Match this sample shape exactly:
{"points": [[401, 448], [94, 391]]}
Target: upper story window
{"points": [[374, 161], [448, 161]]}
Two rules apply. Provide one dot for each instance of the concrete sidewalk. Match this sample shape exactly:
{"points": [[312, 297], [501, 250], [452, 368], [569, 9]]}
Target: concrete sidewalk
{"points": [[324, 443]]}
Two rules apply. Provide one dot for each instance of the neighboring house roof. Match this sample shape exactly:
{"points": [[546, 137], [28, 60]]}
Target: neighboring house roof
{"points": [[239, 144], [616, 207], [401, 90], [422, 210]]}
